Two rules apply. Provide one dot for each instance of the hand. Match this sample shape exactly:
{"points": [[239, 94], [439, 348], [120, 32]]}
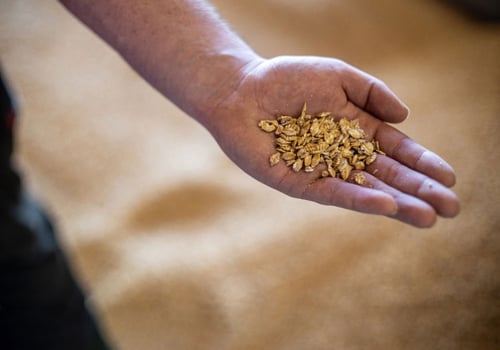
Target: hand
{"points": [[409, 183]]}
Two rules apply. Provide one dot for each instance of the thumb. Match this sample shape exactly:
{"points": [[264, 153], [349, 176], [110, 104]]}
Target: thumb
{"points": [[373, 96]]}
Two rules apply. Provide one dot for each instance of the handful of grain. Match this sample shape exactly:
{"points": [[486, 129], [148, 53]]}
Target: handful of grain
{"points": [[307, 141]]}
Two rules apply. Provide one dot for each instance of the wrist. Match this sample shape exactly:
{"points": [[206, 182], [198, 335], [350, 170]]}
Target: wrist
{"points": [[181, 47], [213, 80]]}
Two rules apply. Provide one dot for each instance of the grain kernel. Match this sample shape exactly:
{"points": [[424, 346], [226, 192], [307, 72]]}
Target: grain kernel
{"points": [[310, 140]]}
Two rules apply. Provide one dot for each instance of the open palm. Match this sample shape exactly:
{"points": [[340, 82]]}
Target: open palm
{"points": [[410, 183]]}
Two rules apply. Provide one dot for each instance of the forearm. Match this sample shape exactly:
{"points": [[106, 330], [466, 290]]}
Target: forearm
{"points": [[180, 47]]}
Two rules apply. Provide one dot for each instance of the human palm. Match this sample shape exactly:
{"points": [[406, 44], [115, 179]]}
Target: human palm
{"points": [[409, 183]]}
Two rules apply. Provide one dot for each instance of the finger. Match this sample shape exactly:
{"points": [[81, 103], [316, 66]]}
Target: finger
{"points": [[400, 147], [374, 197], [406, 151], [332, 191], [398, 176], [373, 96], [410, 209]]}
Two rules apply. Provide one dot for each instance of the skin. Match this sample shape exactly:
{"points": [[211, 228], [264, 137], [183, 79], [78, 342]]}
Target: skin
{"points": [[186, 52]]}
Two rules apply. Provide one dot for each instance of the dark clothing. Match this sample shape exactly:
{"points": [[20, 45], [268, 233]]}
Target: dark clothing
{"points": [[41, 304]]}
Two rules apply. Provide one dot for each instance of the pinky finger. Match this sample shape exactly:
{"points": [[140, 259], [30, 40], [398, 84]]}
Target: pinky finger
{"points": [[410, 209], [332, 191]]}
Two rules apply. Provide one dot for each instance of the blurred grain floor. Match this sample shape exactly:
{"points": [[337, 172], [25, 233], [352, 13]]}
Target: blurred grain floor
{"points": [[180, 250]]}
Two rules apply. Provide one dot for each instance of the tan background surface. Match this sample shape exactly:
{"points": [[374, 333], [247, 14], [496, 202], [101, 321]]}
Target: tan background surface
{"points": [[181, 250]]}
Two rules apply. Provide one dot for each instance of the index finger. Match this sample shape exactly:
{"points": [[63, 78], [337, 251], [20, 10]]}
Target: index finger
{"points": [[406, 151]]}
